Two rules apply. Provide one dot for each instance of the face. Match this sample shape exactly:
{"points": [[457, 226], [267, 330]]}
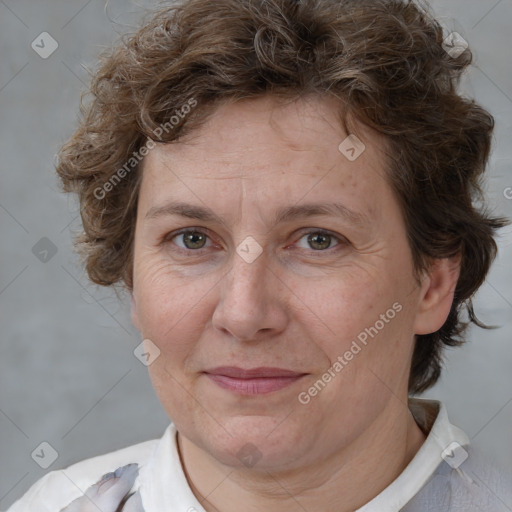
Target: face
{"points": [[320, 302]]}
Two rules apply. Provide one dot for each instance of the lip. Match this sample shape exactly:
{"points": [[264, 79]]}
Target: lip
{"points": [[252, 381]]}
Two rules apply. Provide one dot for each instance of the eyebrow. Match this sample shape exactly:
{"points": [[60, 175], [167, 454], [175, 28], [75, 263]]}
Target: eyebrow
{"points": [[286, 214]]}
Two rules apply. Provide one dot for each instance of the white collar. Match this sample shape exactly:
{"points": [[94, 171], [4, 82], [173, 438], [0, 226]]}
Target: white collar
{"points": [[432, 417], [162, 481], [163, 484]]}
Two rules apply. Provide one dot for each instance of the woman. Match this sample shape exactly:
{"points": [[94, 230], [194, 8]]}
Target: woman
{"points": [[285, 188]]}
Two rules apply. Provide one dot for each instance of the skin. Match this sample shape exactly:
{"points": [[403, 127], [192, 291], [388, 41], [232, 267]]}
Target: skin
{"points": [[295, 306]]}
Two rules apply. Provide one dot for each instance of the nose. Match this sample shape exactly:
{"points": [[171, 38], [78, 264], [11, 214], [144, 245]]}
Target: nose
{"points": [[252, 304]]}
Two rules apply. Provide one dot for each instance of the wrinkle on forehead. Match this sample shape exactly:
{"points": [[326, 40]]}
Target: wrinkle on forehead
{"points": [[261, 146]]}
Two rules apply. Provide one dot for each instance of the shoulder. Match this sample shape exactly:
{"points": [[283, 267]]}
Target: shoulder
{"points": [[476, 485], [59, 488], [481, 484]]}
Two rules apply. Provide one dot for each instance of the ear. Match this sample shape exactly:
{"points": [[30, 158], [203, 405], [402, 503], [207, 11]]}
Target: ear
{"points": [[436, 297], [135, 314]]}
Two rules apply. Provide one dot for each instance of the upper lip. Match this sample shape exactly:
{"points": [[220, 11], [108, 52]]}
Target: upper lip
{"points": [[252, 373]]}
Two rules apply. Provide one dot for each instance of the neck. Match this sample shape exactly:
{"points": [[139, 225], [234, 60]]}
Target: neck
{"points": [[348, 479]]}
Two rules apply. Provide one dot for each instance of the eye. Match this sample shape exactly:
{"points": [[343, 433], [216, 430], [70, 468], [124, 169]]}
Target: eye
{"points": [[192, 239], [320, 240]]}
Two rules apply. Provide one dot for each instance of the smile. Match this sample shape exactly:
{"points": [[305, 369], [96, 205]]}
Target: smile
{"points": [[254, 381]]}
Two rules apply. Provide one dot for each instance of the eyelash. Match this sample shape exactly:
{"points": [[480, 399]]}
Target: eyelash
{"points": [[170, 236]]}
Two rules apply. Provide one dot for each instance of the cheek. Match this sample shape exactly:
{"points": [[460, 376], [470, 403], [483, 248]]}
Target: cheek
{"points": [[367, 314], [347, 302], [164, 303]]}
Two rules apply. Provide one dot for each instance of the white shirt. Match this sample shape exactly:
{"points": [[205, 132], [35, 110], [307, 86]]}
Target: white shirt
{"points": [[445, 475]]}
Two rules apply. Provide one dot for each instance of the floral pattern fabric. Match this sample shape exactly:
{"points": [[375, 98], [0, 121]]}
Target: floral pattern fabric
{"points": [[111, 493]]}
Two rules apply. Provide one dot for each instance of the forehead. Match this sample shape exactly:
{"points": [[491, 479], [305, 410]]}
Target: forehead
{"points": [[266, 152]]}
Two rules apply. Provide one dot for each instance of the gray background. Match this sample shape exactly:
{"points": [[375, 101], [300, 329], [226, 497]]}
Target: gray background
{"points": [[68, 373]]}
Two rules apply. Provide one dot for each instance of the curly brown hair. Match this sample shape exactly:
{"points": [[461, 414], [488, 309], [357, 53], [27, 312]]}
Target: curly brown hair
{"points": [[385, 62]]}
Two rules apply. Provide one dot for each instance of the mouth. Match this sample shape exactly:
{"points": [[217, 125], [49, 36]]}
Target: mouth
{"points": [[253, 381]]}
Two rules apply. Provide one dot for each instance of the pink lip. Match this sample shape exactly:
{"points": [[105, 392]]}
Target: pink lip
{"points": [[252, 381]]}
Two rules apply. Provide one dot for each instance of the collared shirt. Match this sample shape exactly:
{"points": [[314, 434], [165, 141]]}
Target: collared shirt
{"points": [[445, 475]]}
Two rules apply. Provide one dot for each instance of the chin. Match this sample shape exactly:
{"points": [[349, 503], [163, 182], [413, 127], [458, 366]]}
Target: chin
{"points": [[256, 442]]}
